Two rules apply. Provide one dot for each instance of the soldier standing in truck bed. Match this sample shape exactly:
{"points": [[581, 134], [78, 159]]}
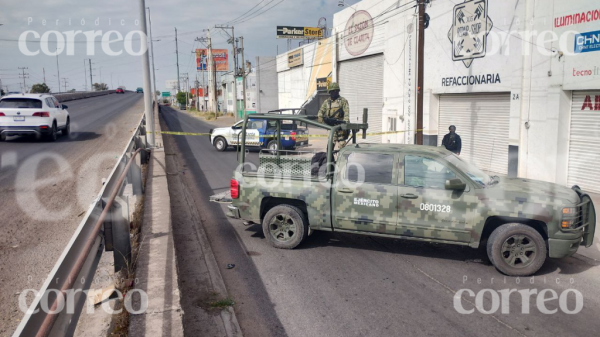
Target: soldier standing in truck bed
{"points": [[335, 110]]}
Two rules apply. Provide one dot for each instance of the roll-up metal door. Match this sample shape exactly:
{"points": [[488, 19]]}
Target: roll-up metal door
{"points": [[482, 121], [584, 141], [361, 81]]}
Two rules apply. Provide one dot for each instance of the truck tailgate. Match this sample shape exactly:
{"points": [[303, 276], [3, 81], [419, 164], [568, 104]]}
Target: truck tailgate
{"points": [[222, 198]]}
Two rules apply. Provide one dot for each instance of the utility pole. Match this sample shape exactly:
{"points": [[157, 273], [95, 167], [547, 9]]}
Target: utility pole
{"points": [[149, 111], [235, 67], [187, 88], [84, 76], [24, 76], [177, 52], [57, 68], [243, 74], [212, 97], [65, 82], [44, 70], [420, 71], [152, 49], [91, 80]]}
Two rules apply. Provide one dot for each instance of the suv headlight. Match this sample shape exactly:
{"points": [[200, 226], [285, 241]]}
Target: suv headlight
{"points": [[569, 211]]}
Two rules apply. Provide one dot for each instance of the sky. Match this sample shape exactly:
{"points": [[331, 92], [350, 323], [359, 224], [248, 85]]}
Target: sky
{"points": [[191, 18]]}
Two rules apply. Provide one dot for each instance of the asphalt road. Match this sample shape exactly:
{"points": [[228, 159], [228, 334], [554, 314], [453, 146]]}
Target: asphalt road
{"points": [[45, 188], [346, 285]]}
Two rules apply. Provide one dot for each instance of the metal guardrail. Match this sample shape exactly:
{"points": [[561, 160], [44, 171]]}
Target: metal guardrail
{"points": [[114, 236]]}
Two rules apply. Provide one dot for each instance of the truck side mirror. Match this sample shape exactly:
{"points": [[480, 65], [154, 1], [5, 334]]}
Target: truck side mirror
{"points": [[455, 185]]}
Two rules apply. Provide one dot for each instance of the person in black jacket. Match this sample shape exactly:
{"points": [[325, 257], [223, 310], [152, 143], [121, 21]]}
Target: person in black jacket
{"points": [[452, 141]]}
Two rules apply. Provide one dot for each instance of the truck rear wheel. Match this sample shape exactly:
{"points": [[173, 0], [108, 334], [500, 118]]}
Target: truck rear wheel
{"points": [[516, 249], [220, 144], [285, 226]]}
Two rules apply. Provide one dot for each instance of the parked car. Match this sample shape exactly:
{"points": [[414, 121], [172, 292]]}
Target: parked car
{"points": [[33, 114], [139, 90], [260, 133], [120, 91], [419, 193]]}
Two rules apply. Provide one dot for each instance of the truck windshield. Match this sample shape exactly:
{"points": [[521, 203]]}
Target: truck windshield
{"points": [[470, 170]]}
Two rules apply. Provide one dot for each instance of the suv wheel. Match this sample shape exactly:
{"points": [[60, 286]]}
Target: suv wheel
{"points": [[53, 133], [272, 146], [516, 249], [220, 144], [285, 226], [2, 137], [67, 130]]}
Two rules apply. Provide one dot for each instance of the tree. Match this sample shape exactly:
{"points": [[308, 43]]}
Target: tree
{"points": [[100, 86], [157, 93], [72, 90], [40, 88], [181, 98]]}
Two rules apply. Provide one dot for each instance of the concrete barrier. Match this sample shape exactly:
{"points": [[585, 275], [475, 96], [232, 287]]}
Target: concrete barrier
{"points": [[81, 95]]}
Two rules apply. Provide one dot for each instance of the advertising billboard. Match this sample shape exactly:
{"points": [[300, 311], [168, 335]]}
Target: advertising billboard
{"points": [[287, 32], [220, 56]]}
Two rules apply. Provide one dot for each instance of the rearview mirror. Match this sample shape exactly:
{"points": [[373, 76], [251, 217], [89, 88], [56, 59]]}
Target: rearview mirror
{"points": [[64, 107], [455, 185]]}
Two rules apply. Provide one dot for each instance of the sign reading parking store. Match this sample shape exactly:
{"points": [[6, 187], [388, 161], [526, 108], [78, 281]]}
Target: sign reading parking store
{"points": [[587, 42]]}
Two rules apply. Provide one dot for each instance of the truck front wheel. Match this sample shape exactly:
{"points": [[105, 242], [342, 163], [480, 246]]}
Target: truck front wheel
{"points": [[285, 226], [516, 249], [220, 144]]}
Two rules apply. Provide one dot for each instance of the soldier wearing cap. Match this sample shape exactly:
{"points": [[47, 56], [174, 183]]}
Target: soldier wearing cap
{"points": [[335, 110]]}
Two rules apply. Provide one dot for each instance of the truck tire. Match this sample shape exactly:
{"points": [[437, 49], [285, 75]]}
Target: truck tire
{"points": [[220, 144], [516, 249], [285, 226], [2, 137]]}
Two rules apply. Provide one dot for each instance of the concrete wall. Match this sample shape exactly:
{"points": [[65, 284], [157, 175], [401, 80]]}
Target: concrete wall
{"points": [[81, 95], [267, 95]]}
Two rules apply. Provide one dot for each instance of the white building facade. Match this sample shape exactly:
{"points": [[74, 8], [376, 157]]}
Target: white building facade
{"points": [[519, 79]]}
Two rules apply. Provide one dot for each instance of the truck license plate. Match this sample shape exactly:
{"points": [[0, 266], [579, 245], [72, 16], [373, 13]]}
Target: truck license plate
{"points": [[19, 119]]}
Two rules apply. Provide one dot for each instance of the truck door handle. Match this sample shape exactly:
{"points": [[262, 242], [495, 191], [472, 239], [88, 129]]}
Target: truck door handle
{"points": [[409, 196], [345, 190]]}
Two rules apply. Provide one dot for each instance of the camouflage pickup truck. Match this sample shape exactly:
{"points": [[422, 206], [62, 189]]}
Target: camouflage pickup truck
{"points": [[411, 192]]}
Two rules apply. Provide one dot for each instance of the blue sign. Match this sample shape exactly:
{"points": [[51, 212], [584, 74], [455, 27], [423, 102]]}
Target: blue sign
{"points": [[587, 42]]}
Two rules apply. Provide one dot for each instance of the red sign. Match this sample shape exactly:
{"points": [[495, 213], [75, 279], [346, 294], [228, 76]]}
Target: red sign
{"points": [[220, 58], [199, 90], [587, 103]]}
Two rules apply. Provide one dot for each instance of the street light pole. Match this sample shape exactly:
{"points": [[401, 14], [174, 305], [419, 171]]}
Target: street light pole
{"points": [[153, 56], [149, 111]]}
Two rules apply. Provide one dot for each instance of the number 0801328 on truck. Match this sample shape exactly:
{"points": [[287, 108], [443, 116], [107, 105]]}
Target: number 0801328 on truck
{"points": [[410, 192]]}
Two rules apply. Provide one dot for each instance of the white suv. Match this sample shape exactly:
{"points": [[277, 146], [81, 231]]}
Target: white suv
{"points": [[33, 114]]}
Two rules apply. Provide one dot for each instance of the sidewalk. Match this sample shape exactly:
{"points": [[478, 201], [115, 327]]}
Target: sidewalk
{"points": [[157, 271]]}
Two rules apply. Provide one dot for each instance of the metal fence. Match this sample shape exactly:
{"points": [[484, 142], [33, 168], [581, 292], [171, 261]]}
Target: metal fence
{"points": [[78, 259]]}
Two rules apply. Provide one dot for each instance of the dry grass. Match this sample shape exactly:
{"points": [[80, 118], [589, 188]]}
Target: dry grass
{"points": [[126, 277]]}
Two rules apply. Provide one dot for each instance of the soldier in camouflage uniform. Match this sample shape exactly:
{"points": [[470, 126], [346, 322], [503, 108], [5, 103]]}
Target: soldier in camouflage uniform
{"points": [[334, 110]]}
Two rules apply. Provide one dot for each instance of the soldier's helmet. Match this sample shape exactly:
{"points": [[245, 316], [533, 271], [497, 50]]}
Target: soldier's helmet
{"points": [[333, 86]]}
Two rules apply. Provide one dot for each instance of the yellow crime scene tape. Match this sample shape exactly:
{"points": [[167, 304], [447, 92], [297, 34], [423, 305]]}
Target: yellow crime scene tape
{"points": [[178, 133]]}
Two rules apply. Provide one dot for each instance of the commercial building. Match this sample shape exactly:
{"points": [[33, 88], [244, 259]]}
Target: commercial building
{"points": [[519, 79]]}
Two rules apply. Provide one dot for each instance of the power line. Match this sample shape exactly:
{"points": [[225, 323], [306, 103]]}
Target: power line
{"points": [[239, 17], [260, 13]]}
